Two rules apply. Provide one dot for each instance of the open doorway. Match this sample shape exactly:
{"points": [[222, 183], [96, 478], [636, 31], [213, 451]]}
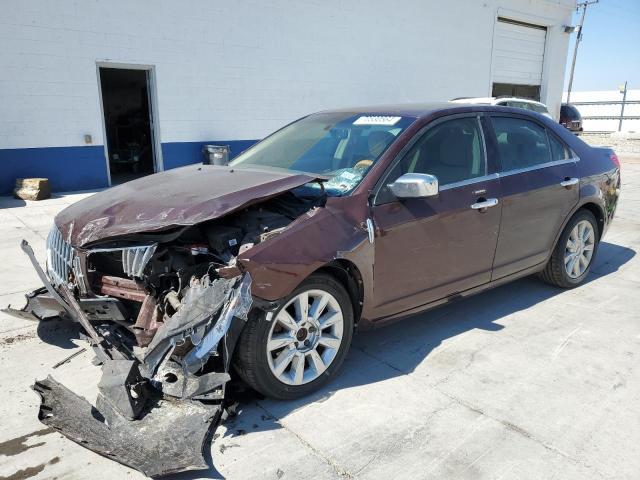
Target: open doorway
{"points": [[128, 122], [514, 90]]}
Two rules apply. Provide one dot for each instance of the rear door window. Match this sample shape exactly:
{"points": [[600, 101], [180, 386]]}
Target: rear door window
{"points": [[521, 143]]}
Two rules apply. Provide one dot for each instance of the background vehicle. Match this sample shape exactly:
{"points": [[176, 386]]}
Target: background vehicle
{"points": [[570, 118], [514, 102], [341, 219]]}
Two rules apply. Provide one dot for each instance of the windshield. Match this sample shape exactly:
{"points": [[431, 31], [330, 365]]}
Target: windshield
{"points": [[341, 146]]}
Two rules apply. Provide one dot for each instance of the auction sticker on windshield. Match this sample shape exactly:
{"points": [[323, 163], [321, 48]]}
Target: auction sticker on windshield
{"points": [[377, 120]]}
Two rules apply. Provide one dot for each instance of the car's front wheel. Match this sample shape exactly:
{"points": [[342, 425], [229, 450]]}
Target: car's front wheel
{"points": [[574, 253], [304, 343]]}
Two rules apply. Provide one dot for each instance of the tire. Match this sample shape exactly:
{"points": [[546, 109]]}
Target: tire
{"points": [[555, 272], [257, 367]]}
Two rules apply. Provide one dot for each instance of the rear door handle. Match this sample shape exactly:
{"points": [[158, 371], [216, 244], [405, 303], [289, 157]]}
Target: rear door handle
{"points": [[569, 182], [484, 204]]}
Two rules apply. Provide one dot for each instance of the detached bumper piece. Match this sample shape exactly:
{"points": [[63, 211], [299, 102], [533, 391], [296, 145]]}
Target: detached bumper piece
{"points": [[149, 413], [169, 437], [40, 306]]}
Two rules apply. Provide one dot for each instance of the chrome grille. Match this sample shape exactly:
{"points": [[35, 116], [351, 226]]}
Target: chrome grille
{"points": [[59, 257], [134, 259]]}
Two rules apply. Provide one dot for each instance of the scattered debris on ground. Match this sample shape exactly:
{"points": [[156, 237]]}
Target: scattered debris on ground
{"points": [[16, 338]]}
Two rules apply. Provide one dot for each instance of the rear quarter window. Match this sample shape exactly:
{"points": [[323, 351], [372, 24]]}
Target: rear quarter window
{"points": [[521, 143], [559, 151]]}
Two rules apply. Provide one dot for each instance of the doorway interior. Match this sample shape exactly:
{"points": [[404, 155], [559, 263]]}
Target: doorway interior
{"points": [[531, 92], [128, 121]]}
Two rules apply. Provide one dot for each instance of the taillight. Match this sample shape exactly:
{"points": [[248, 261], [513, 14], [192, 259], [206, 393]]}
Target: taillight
{"points": [[614, 158]]}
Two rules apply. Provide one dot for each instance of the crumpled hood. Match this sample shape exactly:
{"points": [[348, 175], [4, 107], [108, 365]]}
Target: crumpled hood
{"points": [[179, 197]]}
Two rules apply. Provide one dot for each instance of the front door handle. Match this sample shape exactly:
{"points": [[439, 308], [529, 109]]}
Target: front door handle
{"points": [[569, 182], [484, 204]]}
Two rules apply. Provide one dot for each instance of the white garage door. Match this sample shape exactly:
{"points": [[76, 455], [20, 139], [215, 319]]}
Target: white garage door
{"points": [[518, 52]]}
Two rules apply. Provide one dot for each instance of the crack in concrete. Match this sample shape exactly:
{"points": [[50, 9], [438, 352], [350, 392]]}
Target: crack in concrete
{"points": [[404, 440], [524, 433], [27, 226], [505, 423], [335, 466]]}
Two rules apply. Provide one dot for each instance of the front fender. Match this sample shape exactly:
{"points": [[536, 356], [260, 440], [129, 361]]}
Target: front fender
{"points": [[318, 237]]}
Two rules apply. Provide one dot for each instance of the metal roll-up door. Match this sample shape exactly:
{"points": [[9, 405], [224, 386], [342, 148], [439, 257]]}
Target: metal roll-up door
{"points": [[518, 54]]}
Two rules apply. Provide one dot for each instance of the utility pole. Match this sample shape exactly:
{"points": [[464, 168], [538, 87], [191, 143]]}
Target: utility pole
{"points": [[623, 91], [584, 6]]}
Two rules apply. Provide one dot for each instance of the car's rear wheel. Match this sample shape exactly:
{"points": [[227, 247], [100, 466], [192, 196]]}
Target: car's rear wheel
{"points": [[573, 255], [304, 343]]}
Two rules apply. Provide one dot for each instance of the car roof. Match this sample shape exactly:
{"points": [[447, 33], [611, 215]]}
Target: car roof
{"points": [[419, 110], [494, 100], [519, 99], [402, 109], [475, 100]]}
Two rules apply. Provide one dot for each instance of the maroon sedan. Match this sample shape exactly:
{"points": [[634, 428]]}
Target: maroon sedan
{"points": [[342, 219]]}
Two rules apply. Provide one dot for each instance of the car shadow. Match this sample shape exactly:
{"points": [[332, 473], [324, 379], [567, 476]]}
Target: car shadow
{"points": [[390, 351], [59, 332]]}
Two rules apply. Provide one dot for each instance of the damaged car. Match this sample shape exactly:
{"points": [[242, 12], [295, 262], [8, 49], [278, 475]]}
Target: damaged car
{"points": [[260, 271]]}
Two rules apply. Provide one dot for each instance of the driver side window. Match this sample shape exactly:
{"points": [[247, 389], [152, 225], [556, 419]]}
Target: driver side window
{"points": [[452, 151]]}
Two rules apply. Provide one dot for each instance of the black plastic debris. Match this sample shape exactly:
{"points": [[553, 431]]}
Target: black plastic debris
{"points": [[169, 437]]}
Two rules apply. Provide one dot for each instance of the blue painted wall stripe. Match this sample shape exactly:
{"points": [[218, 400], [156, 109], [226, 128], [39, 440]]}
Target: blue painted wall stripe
{"points": [[83, 168], [67, 168], [179, 154]]}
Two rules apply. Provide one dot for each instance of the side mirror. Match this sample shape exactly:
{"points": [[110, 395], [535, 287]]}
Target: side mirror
{"points": [[415, 185]]}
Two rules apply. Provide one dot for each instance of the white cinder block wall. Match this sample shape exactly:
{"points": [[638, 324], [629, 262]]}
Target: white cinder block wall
{"points": [[238, 70]]}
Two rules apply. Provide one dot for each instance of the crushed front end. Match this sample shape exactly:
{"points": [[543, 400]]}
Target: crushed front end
{"points": [[162, 312]]}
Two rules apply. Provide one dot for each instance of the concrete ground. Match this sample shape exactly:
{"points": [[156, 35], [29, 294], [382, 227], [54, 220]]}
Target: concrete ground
{"points": [[624, 143], [525, 381]]}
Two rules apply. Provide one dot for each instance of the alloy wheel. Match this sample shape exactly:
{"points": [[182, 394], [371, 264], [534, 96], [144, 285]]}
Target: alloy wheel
{"points": [[579, 249], [305, 337]]}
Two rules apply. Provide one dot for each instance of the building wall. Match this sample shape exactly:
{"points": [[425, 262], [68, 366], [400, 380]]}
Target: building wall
{"points": [[610, 110], [234, 71]]}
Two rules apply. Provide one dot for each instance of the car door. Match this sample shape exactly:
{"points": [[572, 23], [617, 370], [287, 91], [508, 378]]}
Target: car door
{"points": [[429, 248], [539, 185]]}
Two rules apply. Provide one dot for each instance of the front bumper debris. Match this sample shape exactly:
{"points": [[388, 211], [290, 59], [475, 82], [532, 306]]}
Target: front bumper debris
{"points": [[40, 306], [139, 420], [169, 437]]}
